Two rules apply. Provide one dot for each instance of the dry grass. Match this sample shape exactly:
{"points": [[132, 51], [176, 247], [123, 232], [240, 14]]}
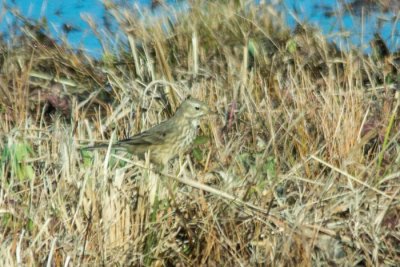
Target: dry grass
{"points": [[301, 168]]}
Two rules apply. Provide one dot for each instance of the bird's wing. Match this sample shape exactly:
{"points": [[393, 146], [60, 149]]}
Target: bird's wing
{"points": [[153, 136]]}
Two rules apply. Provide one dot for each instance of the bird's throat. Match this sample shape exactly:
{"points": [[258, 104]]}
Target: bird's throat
{"points": [[195, 123]]}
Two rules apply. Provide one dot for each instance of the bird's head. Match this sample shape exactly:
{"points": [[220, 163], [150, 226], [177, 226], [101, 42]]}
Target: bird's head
{"points": [[193, 109]]}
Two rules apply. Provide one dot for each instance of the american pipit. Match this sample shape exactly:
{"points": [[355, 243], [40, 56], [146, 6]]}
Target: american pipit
{"points": [[169, 138]]}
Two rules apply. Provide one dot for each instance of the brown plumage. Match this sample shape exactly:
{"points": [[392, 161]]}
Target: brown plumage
{"points": [[169, 138]]}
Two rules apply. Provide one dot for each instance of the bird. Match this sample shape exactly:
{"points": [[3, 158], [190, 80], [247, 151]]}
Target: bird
{"points": [[168, 139]]}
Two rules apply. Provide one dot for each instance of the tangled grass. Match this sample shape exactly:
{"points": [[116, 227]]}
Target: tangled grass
{"points": [[300, 168]]}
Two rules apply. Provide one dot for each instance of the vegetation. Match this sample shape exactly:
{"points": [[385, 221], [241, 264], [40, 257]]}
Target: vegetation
{"points": [[303, 159]]}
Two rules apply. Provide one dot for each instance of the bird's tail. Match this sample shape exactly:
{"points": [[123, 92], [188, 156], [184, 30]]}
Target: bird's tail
{"points": [[100, 146], [115, 146]]}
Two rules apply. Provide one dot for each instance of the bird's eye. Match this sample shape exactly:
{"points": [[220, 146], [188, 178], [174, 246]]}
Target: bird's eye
{"points": [[197, 107]]}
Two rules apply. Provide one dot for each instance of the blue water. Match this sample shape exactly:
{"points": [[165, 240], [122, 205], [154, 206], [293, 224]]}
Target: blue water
{"points": [[345, 29], [57, 13]]}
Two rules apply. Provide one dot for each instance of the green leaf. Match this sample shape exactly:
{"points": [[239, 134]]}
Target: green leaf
{"points": [[197, 154], [30, 225], [201, 140], [18, 155], [29, 172], [291, 46], [6, 219], [87, 158], [269, 167], [252, 48]]}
